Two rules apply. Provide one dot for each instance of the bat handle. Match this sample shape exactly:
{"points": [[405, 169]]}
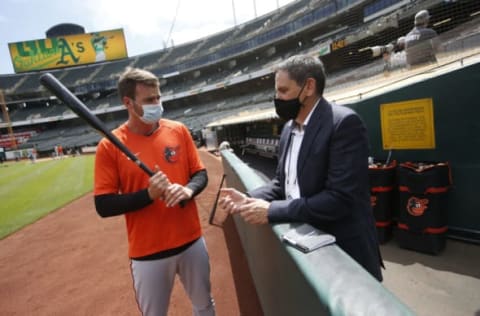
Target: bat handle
{"points": [[144, 168]]}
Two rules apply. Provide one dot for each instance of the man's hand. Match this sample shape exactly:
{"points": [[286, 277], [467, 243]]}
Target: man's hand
{"points": [[253, 211], [231, 199], [158, 184], [176, 193]]}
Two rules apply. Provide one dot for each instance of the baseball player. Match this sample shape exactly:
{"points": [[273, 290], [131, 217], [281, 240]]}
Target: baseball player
{"points": [[163, 227]]}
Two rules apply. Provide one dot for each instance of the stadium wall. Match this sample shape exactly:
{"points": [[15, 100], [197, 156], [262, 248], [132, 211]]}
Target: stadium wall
{"points": [[456, 114]]}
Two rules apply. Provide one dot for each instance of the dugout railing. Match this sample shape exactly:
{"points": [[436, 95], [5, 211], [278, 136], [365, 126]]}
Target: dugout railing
{"points": [[288, 282]]}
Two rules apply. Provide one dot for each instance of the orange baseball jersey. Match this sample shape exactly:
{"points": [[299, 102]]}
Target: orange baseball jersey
{"points": [[155, 227]]}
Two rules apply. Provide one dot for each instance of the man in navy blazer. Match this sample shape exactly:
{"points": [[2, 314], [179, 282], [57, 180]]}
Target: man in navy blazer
{"points": [[322, 174]]}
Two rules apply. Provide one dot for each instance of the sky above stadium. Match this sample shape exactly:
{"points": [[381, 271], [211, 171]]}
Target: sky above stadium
{"points": [[148, 25]]}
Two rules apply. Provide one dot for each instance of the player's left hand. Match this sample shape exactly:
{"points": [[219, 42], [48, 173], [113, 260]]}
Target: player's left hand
{"points": [[176, 193]]}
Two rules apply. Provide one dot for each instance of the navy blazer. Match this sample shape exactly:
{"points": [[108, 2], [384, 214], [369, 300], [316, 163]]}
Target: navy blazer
{"points": [[332, 174]]}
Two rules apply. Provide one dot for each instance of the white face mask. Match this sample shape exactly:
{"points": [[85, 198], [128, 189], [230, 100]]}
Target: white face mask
{"points": [[152, 113]]}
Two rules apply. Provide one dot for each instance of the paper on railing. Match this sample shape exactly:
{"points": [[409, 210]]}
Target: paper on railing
{"points": [[307, 238]]}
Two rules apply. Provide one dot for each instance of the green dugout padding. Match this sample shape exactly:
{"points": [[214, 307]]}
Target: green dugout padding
{"points": [[288, 282], [456, 106]]}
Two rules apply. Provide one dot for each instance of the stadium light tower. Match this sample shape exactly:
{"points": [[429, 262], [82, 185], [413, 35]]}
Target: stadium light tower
{"points": [[234, 15]]}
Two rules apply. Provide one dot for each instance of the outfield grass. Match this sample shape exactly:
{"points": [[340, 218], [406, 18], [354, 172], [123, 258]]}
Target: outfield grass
{"points": [[30, 191]]}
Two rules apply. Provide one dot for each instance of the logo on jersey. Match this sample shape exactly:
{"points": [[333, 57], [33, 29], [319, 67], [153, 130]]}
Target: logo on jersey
{"points": [[416, 206], [171, 154]]}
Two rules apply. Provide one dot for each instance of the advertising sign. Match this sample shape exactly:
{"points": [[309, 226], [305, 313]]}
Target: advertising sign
{"points": [[66, 51]]}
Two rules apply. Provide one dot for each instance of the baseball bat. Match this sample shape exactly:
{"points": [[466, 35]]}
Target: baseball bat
{"points": [[77, 106]]}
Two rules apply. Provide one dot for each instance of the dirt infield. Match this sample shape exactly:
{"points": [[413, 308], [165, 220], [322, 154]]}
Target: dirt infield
{"points": [[72, 262]]}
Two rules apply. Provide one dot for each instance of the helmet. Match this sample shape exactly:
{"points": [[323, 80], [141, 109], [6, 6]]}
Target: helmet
{"points": [[422, 17]]}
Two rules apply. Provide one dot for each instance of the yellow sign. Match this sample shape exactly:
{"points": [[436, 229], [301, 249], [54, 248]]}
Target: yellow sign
{"points": [[66, 51], [408, 125]]}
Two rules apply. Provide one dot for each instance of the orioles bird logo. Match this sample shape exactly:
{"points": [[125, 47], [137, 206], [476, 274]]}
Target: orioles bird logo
{"points": [[171, 154], [373, 200], [416, 206]]}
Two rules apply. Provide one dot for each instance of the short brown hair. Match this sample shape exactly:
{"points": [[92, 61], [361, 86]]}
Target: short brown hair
{"points": [[131, 77]]}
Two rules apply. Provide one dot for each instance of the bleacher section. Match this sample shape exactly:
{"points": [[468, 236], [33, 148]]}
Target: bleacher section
{"points": [[149, 61], [290, 12], [8, 82], [78, 75], [25, 114], [56, 110], [230, 72], [208, 46], [246, 31], [104, 102], [31, 84], [19, 137], [112, 70], [178, 54]]}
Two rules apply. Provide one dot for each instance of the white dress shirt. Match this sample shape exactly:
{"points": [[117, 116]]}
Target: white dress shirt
{"points": [[292, 190]]}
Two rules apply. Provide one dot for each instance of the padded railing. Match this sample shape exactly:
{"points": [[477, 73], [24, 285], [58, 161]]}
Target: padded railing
{"points": [[288, 282]]}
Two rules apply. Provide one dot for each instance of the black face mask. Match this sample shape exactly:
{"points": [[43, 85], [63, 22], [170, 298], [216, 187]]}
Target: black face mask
{"points": [[288, 109]]}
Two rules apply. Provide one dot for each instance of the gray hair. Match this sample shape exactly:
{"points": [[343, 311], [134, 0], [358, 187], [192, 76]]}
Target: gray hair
{"points": [[302, 67]]}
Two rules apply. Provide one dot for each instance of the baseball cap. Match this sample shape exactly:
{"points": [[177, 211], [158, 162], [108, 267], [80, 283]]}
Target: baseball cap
{"points": [[422, 17]]}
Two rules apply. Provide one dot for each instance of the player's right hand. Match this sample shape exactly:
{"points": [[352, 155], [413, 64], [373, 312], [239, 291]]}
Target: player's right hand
{"points": [[158, 184]]}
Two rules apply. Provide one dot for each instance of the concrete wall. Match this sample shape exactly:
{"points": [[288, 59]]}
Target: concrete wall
{"points": [[288, 282]]}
